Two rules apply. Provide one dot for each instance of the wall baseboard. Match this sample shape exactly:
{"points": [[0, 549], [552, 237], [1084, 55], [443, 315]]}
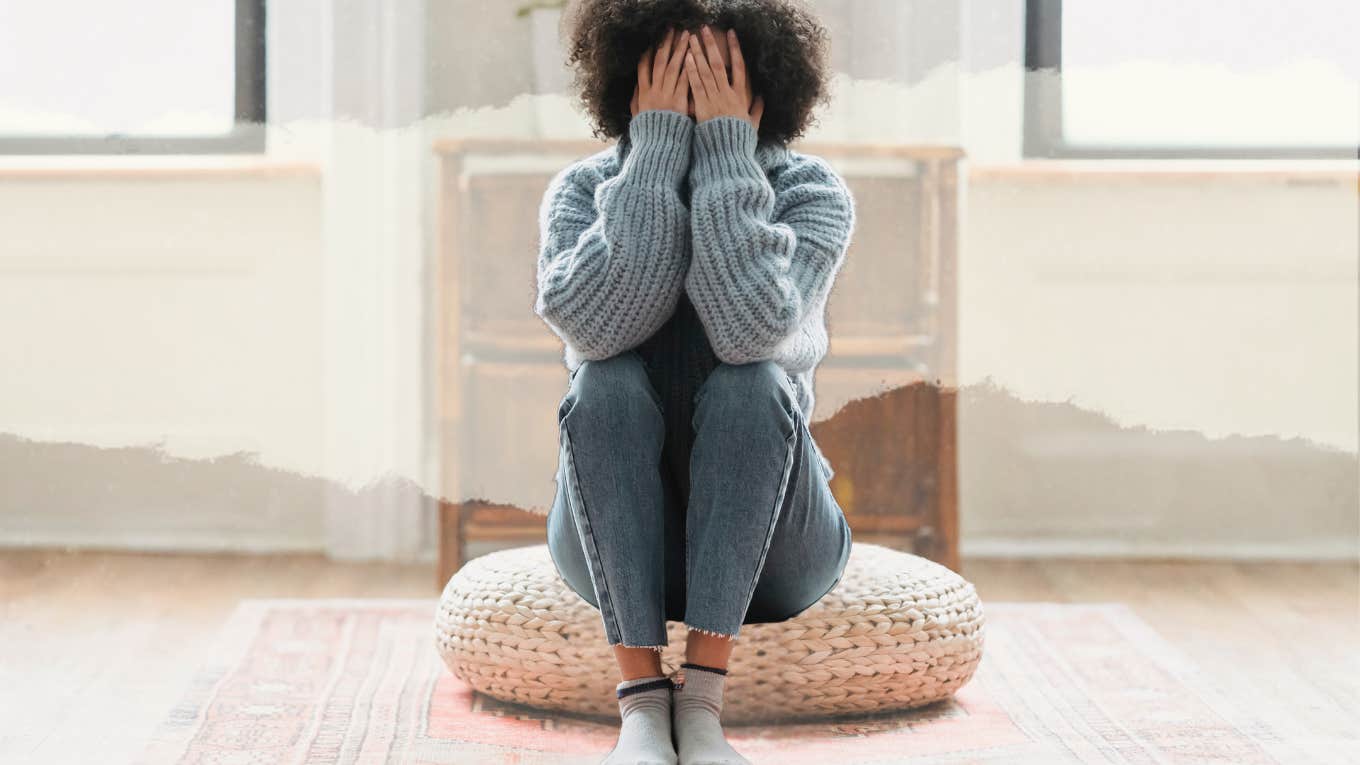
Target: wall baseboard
{"points": [[188, 542], [1329, 550]]}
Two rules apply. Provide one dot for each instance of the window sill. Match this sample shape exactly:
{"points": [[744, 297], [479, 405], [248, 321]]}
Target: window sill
{"points": [[151, 167], [1321, 172]]}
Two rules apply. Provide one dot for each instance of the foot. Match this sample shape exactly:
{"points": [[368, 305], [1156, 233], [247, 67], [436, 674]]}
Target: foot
{"points": [[645, 735], [695, 714]]}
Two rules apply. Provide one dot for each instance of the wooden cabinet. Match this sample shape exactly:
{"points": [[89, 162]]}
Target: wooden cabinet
{"points": [[499, 373]]}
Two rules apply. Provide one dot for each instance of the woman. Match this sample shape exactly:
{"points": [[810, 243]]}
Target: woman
{"points": [[687, 270]]}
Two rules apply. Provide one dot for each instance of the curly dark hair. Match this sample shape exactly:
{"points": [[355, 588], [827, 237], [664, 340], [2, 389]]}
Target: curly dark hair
{"points": [[784, 45]]}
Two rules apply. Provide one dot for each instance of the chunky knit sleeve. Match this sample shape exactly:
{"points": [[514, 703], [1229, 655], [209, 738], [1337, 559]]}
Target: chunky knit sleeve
{"points": [[762, 256], [613, 251]]}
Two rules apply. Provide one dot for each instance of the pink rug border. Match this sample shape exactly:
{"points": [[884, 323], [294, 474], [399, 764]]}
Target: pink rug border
{"points": [[232, 644]]}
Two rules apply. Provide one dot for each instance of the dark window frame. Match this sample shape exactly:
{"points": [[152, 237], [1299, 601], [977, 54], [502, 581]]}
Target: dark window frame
{"points": [[247, 135], [1043, 128]]}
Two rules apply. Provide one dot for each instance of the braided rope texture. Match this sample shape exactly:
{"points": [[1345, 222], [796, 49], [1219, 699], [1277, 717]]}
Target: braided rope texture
{"points": [[897, 632]]}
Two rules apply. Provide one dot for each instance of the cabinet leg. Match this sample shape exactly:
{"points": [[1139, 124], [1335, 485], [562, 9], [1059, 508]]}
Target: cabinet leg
{"points": [[450, 542]]}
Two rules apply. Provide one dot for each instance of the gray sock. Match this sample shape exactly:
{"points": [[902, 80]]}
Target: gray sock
{"points": [[695, 715], [645, 735]]}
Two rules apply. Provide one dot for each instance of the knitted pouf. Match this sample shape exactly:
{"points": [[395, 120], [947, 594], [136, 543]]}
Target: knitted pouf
{"points": [[898, 631]]}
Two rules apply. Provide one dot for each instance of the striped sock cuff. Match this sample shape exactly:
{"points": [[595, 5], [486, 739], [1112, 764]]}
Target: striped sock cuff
{"points": [[650, 685], [692, 665]]}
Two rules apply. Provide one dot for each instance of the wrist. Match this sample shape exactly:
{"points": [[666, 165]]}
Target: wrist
{"points": [[723, 146], [661, 141]]}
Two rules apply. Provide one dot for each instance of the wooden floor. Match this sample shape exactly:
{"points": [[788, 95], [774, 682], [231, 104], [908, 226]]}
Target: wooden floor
{"points": [[95, 648]]}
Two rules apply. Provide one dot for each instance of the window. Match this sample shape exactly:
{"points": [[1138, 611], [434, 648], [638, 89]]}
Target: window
{"points": [[1168, 78], [153, 77]]}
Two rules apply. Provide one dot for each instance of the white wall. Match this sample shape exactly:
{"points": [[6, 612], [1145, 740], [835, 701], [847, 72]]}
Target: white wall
{"points": [[1153, 366], [1132, 352], [1208, 327], [1220, 307], [183, 312]]}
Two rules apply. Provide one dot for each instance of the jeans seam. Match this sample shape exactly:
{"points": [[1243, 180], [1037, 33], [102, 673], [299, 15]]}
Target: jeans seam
{"points": [[647, 372], [816, 448], [593, 553], [790, 445], [816, 454]]}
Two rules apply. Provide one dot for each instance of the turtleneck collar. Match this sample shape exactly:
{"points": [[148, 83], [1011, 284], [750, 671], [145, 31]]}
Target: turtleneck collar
{"points": [[768, 154]]}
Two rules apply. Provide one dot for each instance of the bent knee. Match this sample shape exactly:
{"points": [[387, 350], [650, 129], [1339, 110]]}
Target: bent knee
{"points": [[613, 388], [743, 384]]}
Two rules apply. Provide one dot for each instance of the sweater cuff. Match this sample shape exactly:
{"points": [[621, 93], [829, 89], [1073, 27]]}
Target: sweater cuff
{"points": [[724, 146], [660, 150]]}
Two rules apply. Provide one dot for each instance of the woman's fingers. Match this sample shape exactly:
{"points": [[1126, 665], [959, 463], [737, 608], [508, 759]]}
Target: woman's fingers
{"points": [[696, 83], [715, 62], [644, 70], [691, 74], [672, 80], [659, 73], [662, 58], [739, 83], [696, 60]]}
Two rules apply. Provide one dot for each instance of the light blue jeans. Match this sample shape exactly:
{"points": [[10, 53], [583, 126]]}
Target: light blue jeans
{"points": [[742, 529]]}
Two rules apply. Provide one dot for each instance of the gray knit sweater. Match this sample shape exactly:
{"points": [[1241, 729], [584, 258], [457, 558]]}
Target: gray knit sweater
{"points": [[753, 233]]}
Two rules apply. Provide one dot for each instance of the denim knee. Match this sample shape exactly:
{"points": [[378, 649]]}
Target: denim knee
{"points": [[744, 384], [608, 389]]}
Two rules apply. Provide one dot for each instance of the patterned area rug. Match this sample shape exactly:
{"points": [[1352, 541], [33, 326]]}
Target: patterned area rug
{"points": [[335, 681]]}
